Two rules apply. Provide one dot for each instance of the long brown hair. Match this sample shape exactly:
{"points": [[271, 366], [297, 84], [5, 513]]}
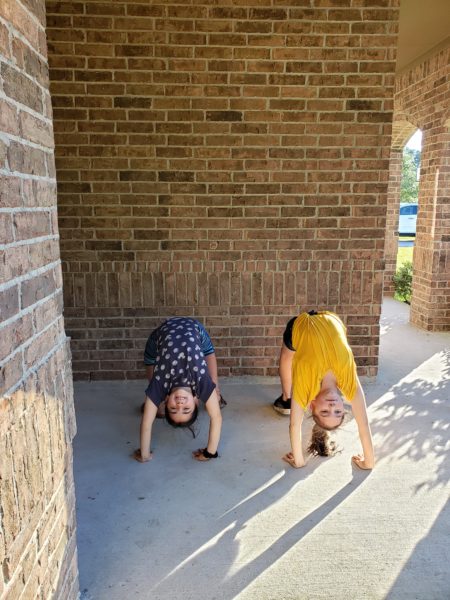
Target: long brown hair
{"points": [[320, 444]]}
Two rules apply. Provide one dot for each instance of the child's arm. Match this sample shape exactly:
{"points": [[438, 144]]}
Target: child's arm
{"points": [[295, 458], [215, 427], [150, 409], [359, 410]]}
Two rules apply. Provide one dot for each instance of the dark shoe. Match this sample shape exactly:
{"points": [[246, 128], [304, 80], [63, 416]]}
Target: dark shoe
{"points": [[222, 401], [282, 406]]}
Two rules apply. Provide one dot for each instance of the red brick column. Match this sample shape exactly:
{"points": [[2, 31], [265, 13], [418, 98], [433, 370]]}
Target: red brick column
{"points": [[430, 303], [228, 162], [392, 215], [37, 512], [423, 95]]}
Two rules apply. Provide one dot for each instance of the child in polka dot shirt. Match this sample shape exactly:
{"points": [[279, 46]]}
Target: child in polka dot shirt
{"points": [[182, 371]]}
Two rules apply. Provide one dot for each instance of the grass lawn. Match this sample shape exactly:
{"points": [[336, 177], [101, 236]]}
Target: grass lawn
{"points": [[405, 254]]}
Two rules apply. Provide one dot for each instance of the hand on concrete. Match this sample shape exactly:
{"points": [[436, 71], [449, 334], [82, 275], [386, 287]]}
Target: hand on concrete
{"points": [[138, 456], [198, 455], [289, 458], [359, 461]]}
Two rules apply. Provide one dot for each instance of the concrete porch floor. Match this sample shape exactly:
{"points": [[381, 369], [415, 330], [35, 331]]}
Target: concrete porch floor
{"points": [[247, 525]]}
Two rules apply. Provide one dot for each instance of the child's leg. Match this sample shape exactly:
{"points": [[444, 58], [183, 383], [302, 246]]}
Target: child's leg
{"points": [[283, 404], [149, 369], [161, 410], [285, 371], [211, 362]]}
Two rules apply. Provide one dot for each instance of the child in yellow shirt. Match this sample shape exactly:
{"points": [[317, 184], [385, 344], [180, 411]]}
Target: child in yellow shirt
{"points": [[317, 369]]}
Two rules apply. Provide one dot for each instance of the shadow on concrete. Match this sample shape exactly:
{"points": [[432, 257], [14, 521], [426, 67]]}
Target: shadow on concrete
{"points": [[175, 528], [403, 347], [227, 544], [412, 424], [178, 520], [434, 583]]}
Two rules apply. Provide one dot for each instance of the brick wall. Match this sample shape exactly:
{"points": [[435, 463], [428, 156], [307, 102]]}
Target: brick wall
{"points": [[37, 515], [392, 216], [227, 162], [422, 94]]}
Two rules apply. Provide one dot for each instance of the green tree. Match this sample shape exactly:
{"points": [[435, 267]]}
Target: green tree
{"points": [[409, 191]]}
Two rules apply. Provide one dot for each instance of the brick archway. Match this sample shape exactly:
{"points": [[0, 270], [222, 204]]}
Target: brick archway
{"points": [[422, 98], [402, 130]]}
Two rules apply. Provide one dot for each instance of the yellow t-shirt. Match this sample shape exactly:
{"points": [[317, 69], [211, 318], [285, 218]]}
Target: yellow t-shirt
{"points": [[321, 345]]}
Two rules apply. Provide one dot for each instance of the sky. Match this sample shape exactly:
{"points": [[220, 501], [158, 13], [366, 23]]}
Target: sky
{"points": [[415, 141]]}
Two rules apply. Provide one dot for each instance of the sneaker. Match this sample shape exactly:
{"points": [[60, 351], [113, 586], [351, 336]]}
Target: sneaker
{"points": [[282, 406]]}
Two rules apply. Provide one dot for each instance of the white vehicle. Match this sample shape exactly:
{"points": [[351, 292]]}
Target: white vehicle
{"points": [[407, 219]]}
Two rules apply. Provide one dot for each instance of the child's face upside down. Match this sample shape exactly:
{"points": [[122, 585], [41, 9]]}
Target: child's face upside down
{"points": [[328, 408], [180, 404]]}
